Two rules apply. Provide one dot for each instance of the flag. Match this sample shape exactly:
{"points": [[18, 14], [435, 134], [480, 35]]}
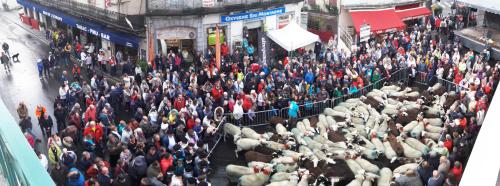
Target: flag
{"points": [[217, 47]]}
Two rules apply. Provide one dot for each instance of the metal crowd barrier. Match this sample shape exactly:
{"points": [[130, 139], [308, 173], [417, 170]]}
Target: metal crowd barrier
{"points": [[315, 108], [424, 78], [217, 137]]}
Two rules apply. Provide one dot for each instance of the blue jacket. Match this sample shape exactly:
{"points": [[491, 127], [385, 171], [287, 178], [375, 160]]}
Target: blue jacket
{"points": [[39, 65], [80, 181]]}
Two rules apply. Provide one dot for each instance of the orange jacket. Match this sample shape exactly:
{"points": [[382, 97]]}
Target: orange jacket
{"points": [[39, 110]]}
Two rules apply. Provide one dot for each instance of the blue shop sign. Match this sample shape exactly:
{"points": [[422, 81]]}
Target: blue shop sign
{"points": [[91, 28], [251, 15]]}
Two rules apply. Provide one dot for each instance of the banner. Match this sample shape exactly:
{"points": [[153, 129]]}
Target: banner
{"points": [[264, 48], [251, 15], [208, 3], [217, 47]]}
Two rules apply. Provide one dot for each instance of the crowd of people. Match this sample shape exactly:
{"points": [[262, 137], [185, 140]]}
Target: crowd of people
{"points": [[162, 135]]}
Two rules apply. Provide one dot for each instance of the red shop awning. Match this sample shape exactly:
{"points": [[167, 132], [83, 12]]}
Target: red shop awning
{"points": [[413, 13], [381, 21]]}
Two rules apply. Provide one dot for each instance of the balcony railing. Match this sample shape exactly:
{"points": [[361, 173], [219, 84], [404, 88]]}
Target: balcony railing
{"points": [[185, 7]]}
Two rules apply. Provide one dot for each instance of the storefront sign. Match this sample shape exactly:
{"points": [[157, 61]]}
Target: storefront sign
{"points": [[176, 33], [364, 32], [264, 47], [208, 3], [284, 20], [91, 28], [252, 15]]}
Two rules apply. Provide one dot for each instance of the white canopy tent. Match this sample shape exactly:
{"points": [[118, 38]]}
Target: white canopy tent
{"points": [[292, 37]]}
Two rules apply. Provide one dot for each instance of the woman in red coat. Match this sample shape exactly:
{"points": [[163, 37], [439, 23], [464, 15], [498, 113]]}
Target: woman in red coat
{"points": [[90, 114], [94, 130], [457, 170]]}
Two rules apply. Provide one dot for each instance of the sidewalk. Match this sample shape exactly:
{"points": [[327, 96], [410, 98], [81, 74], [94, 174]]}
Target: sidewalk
{"points": [[13, 16]]}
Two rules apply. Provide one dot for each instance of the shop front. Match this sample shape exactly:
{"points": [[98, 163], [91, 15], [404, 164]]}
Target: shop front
{"points": [[85, 32]]}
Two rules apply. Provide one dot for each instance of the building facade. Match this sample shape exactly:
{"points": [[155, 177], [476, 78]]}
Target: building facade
{"points": [[190, 25], [108, 24]]}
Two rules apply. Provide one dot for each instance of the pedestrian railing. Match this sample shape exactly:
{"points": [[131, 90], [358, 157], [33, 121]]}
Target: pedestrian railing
{"points": [[426, 79], [217, 136], [313, 108]]}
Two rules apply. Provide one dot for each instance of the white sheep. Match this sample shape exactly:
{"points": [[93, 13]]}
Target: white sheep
{"points": [[378, 144], [233, 130], [434, 121], [280, 167], [435, 87], [367, 166], [431, 135], [370, 153], [389, 152], [417, 130], [385, 177], [357, 181], [313, 144], [246, 144], [259, 164], [250, 133], [322, 156], [281, 130], [416, 144], [368, 144], [433, 129], [283, 159], [257, 179], [275, 145], [339, 112], [390, 111], [413, 94], [408, 127], [291, 179], [403, 168], [410, 152], [390, 88], [236, 171], [355, 167], [304, 180]]}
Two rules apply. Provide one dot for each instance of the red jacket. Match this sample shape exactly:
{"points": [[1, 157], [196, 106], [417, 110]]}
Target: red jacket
{"points": [[166, 163], [217, 93], [190, 123], [96, 134], [179, 104], [449, 145], [457, 171], [90, 115]]}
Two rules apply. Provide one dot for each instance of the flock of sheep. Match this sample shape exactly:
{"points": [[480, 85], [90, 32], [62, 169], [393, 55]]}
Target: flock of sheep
{"points": [[362, 141]]}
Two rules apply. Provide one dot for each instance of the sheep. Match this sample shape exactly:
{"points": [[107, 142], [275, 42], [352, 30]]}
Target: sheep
{"points": [[336, 136], [378, 144], [236, 171], [246, 144], [367, 166], [433, 112], [287, 179], [358, 181], [275, 145], [396, 146], [256, 156], [281, 130], [389, 152], [438, 122], [264, 150], [409, 127], [433, 136], [417, 130], [337, 113], [390, 88], [305, 179], [355, 167], [416, 144], [286, 167], [313, 144], [385, 177], [250, 133], [412, 96], [403, 168], [256, 179], [259, 165], [410, 152], [368, 144], [322, 156], [390, 111], [284, 160], [323, 140], [437, 89], [433, 129], [233, 130], [370, 153]]}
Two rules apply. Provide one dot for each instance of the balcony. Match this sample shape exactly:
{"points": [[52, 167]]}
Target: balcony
{"points": [[196, 7], [82, 10]]}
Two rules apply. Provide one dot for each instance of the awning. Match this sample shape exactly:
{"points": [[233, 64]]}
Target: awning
{"points": [[292, 36], [380, 20], [413, 13]]}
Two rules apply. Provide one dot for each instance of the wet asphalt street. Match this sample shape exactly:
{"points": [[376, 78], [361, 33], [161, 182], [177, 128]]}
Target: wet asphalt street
{"points": [[22, 82]]}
